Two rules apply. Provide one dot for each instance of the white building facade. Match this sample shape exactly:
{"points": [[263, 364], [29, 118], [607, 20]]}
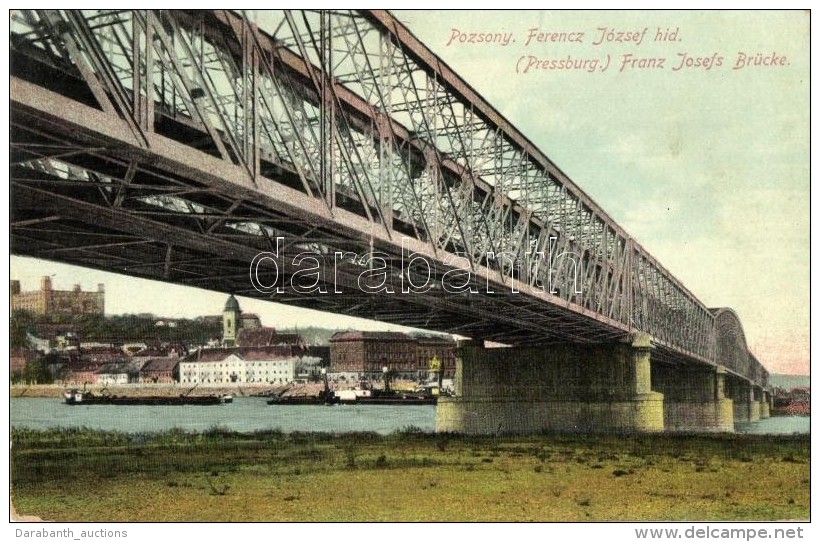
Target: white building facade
{"points": [[235, 369]]}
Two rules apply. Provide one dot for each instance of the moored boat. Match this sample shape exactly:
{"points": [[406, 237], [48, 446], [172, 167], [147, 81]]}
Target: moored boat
{"points": [[84, 397], [324, 397], [320, 399], [357, 396], [382, 397]]}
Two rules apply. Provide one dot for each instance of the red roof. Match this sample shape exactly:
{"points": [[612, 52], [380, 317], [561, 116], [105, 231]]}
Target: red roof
{"points": [[164, 352], [266, 336], [159, 365], [370, 336], [210, 354], [249, 353], [282, 351]]}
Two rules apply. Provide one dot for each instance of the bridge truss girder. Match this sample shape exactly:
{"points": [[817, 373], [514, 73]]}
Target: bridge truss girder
{"points": [[336, 130]]}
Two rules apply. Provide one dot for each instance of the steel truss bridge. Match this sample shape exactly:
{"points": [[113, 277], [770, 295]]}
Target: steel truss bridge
{"points": [[178, 145]]}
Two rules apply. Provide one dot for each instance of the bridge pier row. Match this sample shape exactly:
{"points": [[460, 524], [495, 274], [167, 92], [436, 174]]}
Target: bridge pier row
{"points": [[562, 388], [742, 393], [694, 398]]}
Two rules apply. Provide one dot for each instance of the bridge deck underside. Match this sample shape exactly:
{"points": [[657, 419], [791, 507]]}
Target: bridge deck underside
{"points": [[88, 222]]}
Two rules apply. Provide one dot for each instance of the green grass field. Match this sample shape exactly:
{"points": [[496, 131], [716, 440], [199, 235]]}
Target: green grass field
{"points": [[84, 475]]}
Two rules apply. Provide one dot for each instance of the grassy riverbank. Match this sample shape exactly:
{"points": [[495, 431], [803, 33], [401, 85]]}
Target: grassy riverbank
{"points": [[84, 475]]}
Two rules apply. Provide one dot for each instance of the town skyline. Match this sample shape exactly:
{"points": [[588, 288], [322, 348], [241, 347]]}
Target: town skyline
{"points": [[210, 303]]}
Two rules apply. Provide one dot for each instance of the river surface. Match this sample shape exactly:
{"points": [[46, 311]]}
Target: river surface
{"points": [[245, 414], [248, 414], [777, 425]]}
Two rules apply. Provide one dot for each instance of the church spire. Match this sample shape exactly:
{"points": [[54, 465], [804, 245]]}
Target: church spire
{"points": [[230, 321]]}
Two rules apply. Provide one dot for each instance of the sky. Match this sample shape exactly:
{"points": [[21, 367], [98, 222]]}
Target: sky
{"points": [[707, 168]]}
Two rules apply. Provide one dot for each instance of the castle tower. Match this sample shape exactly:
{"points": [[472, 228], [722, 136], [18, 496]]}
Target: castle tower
{"points": [[230, 321], [45, 303]]}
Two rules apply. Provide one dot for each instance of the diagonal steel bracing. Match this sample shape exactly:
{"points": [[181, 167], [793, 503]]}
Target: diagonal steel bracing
{"points": [[200, 137]]}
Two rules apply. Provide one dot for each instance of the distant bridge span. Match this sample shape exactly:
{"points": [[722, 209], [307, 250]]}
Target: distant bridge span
{"points": [[178, 145]]}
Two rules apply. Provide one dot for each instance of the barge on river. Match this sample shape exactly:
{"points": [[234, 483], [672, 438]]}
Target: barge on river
{"points": [[355, 397], [359, 396], [83, 397]]}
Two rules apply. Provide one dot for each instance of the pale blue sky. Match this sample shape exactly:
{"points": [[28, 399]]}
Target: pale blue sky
{"points": [[709, 170]]}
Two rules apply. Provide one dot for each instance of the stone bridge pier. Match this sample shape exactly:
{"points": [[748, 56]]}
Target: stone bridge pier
{"points": [[747, 399], [601, 388], [564, 388], [694, 398], [765, 403]]}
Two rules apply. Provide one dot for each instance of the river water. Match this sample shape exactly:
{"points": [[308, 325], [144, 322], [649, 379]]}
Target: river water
{"points": [[248, 414], [245, 414], [777, 425]]}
